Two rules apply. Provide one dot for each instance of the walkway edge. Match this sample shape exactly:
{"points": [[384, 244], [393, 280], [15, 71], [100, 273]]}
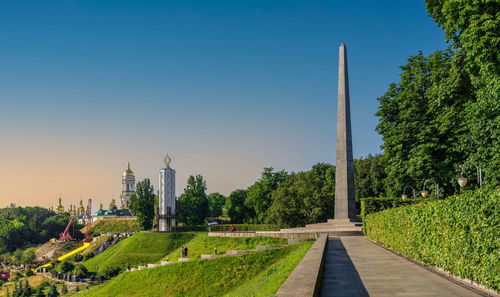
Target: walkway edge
{"points": [[468, 284], [304, 281]]}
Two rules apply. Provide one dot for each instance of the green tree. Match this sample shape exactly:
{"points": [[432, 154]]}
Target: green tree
{"points": [[420, 122], [259, 195], [193, 203], [236, 208], [216, 202], [369, 176], [142, 204], [64, 267], [80, 270], [473, 26], [304, 198], [52, 291]]}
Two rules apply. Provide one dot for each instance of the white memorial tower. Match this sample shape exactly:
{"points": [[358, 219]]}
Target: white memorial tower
{"points": [[166, 212]]}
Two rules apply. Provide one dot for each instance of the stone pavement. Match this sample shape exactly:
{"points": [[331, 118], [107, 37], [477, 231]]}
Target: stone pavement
{"points": [[354, 266]]}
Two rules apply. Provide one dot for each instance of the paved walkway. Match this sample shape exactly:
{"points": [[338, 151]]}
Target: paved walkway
{"points": [[354, 266]]}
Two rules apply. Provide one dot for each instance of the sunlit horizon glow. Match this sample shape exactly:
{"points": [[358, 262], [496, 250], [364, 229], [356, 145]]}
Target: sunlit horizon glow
{"points": [[226, 88]]}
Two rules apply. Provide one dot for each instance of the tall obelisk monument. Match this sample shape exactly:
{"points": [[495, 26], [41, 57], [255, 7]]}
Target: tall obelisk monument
{"points": [[345, 208], [166, 212]]}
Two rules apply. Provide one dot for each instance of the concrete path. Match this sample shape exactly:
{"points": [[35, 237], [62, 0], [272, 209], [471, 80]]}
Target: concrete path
{"points": [[354, 266]]}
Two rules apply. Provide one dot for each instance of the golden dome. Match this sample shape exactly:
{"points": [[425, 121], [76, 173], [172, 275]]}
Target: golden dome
{"points": [[128, 172]]}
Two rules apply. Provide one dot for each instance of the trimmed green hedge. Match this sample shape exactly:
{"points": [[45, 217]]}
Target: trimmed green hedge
{"points": [[225, 227], [460, 234], [244, 227], [371, 205], [201, 228]]}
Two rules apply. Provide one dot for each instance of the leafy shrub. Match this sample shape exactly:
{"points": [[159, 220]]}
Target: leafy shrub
{"points": [[64, 267], [88, 256], [371, 205], [1, 283], [110, 271], [80, 270], [29, 272], [77, 258], [200, 228], [459, 234]]}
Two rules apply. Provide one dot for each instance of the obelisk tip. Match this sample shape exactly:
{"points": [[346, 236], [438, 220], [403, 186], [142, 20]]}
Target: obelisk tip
{"points": [[342, 44]]}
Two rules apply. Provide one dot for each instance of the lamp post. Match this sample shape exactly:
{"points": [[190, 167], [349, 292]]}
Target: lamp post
{"points": [[425, 193], [404, 196], [462, 180]]}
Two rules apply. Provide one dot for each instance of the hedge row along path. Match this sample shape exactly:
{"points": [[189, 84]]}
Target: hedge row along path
{"points": [[354, 266]]}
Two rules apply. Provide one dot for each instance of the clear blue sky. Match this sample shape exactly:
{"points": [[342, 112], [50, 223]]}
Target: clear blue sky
{"points": [[225, 87]]}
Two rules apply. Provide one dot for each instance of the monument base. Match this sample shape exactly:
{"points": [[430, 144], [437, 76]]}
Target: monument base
{"points": [[340, 227]]}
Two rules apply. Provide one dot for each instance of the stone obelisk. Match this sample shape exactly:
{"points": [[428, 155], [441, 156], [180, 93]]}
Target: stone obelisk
{"points": [[345, 208]]}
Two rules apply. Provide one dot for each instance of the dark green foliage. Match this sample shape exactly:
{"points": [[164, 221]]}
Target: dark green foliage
{"points": [[305, 197], [369, 176], [22, 289], [64, 267], [80, 270], [142, 204], [216, 202], [459, 234], [64, 289], [77, 258], [236, 208], [446, 108], [22, 226], [473, 27], [52, 291], [192, 206], [420, 120], [190, 228], [259, 195], [371, 205]]}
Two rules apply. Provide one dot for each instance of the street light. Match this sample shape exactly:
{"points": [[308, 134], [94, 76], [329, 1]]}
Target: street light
{"points": [[404, 196], [462, 180], [425, 193]]}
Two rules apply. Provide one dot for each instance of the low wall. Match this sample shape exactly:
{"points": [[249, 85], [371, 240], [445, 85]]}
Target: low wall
{"points": [[304, 281]]}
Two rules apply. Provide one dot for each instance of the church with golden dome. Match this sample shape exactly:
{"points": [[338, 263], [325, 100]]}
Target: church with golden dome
{"points": [[128, 187]]}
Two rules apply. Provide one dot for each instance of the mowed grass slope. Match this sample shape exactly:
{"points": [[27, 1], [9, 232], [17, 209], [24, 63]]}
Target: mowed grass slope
{"points": [[262, 272], [204, 244], [139, 249]]}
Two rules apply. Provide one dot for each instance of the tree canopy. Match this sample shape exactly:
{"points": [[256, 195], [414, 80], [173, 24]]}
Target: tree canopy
{"points": [[193, 207], [142, 204]]}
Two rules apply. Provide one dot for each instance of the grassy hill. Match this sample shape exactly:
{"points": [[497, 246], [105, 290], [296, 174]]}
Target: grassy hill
{"points": [[255, 274], [204, 244], [114, 225], [151, 247], [139, 249]]}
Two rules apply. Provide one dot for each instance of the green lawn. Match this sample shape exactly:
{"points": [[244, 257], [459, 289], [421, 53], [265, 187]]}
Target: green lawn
{"points": [[204, 244], [139, 249], [116, 225], [254, 274]]}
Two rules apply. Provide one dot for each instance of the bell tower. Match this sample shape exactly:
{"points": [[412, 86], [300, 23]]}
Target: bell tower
{"points": [[128, 186]]}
